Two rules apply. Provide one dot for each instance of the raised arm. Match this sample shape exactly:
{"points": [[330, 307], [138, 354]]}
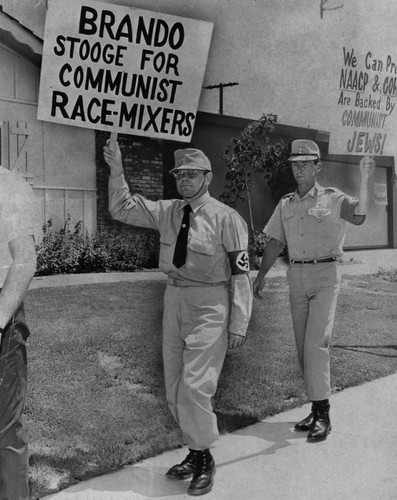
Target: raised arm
{"points": [[356, 213]]}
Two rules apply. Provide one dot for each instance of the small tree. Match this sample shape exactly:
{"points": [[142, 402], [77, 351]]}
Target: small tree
{"points": [[251, 152]]}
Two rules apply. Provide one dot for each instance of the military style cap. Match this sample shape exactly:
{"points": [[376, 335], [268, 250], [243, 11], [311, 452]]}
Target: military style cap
{"points": [[191, 159], [302, 150]]}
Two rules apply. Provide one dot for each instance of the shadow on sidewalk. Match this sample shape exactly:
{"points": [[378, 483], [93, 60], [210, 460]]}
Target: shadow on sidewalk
{"points": [[276, 436]]}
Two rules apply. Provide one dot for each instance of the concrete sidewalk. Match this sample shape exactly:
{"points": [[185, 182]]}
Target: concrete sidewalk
{"points": [[269, 461]]}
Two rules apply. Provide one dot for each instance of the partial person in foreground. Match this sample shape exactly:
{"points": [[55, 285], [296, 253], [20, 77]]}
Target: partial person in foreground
{"points": [[18, 224], [207, 302], [312, 223]]}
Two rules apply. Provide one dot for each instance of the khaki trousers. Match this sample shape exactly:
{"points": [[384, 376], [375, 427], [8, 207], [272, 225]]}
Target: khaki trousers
{"points": [[314, 290], [194, 347]]}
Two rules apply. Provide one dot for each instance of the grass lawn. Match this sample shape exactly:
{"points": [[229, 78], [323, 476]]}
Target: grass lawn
{"points": [[96, 398]]}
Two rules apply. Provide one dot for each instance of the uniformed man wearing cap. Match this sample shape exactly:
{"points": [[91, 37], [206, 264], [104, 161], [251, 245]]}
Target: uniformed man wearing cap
{"points": [[208, 299], [312, 222]]}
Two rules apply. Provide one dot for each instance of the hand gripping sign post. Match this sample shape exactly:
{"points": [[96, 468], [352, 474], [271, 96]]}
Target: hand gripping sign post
{"points": [[120, 69]]}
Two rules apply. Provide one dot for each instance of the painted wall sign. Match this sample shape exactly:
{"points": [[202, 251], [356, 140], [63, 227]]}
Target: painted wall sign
{"points": [[365, 102], [122, 69]]}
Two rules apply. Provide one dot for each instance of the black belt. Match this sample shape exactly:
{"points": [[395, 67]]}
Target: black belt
{"points": [[313, 261]]}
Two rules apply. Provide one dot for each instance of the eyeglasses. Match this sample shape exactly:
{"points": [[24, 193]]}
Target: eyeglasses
{"points": [[188, 174]]}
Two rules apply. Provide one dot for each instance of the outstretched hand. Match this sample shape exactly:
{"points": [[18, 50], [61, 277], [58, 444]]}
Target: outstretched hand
{"points": [[112, 156]]}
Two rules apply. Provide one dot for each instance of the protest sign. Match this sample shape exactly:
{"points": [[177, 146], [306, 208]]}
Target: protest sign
{"points": [[365, 102], [121, 69]]}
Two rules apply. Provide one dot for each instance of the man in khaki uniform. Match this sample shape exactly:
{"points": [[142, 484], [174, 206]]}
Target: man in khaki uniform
{"points": [[312, 222], [208, 299]]}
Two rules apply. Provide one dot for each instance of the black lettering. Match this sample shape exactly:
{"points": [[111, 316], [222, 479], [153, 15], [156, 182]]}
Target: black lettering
{"points": [[141, 31], [59, 101], [72, 41], [94, 82], [174, 85], [61, 51], [162, 93], [144, 58], [93, 102], [131, 90], [106, 112], [96, 50], [87, 25], [173, 61], [165, 120], [349, 58], [161, 33], [189, 124], [84, 51], [152, 119], [174, 42], [127, 26], [112, 84], [127, 115], [78, 76], [65, 67], [179, 118], [78, 110], [143, 86], [107, 21]]}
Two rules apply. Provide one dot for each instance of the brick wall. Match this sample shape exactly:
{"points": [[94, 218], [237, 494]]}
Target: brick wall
{"points": [[143, 170]]}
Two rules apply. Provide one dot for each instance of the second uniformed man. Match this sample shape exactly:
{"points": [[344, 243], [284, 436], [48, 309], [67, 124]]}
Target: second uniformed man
{"points": [[207, 302], [312, 222]]}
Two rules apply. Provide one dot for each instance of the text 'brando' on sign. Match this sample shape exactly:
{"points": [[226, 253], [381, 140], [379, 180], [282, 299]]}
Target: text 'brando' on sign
{"points": [[121, 69]]}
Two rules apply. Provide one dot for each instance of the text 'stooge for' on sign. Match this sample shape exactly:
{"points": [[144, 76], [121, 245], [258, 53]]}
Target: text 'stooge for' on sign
{"points": [[121, 69]]}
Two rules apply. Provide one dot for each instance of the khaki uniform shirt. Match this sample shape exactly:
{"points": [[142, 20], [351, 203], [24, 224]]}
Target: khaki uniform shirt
{"points": [[19, 215], [215, 230], [311, 226]]}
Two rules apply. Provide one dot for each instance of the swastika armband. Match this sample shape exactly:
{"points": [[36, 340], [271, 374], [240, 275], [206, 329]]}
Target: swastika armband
{"points": [[239, 261]]}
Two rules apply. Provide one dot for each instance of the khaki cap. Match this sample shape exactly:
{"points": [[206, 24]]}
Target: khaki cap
{"points": [[303, 149], [191, 159]]}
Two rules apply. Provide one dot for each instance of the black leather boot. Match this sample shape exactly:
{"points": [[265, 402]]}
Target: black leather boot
{"points": [[304, 425], [203, 476], [185, 469], [321, 425]]}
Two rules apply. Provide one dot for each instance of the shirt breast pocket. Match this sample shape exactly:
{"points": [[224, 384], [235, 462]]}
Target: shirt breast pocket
{"points": [[167, 246], [202, 246], [288, 218], [202, 258]]}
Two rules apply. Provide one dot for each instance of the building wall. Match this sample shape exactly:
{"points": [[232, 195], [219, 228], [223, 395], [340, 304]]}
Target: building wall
{"points": [[58, 161]]}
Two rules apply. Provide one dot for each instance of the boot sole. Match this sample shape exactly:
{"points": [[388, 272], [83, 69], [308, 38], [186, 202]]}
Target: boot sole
{"points": [[179, 478], [322, 438], [200, 492]]}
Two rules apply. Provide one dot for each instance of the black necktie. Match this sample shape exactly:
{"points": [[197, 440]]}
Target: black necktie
{"points": [[181, 242]]}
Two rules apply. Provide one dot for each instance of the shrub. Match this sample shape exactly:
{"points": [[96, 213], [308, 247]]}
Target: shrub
{"points": [[387, 274], [67, 251]]}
